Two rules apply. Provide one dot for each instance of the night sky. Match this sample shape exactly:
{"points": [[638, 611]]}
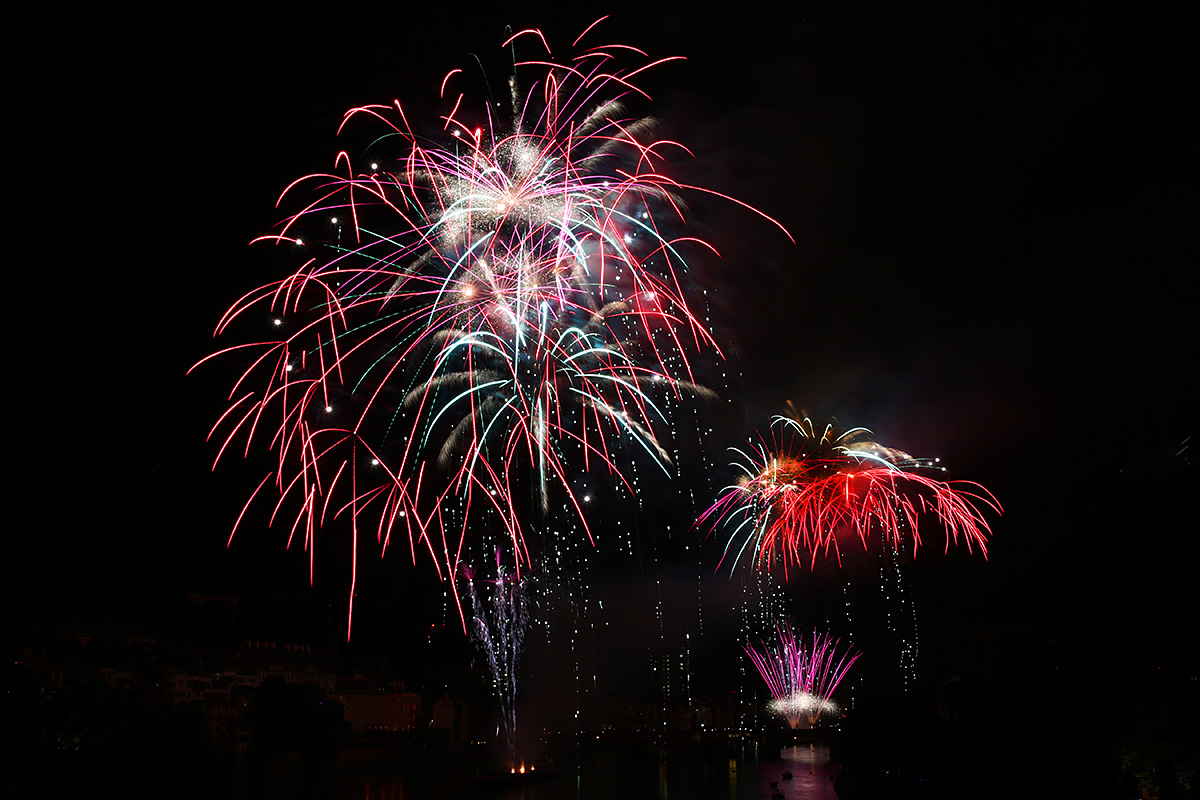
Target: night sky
{"points": [[995, 221]]}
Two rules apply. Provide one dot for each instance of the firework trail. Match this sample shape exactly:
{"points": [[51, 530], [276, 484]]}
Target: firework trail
{"points": [[500, 635], [498, 306], [541, 398], [804, 494], [801, 679]]}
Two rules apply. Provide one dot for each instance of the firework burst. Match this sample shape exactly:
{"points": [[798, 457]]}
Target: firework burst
{"points": [[499, 305], [805, 494], [801, 678]]}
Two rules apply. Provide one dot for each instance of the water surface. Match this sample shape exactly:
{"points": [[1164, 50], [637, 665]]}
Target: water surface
{"points": [[743, 773]]}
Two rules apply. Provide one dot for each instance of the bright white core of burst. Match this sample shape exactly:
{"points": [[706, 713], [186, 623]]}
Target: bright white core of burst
{"points": [[802, 703]]}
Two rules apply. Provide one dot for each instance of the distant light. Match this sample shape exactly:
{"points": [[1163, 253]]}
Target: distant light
{"points": [[288, 368], [375, 462], [374, 166], [328, 409], [277, 321], [333, 220], [300, 242]]}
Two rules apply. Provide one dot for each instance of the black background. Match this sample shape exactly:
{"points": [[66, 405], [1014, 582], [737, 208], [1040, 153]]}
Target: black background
{"points": [[994, 216]]}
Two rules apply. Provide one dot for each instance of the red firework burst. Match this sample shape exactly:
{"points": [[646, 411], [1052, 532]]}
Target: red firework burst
{"points": [[805, 495]]}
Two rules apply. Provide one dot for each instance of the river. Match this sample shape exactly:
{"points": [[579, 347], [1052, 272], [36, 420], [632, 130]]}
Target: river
{"points": [[744, 772]]}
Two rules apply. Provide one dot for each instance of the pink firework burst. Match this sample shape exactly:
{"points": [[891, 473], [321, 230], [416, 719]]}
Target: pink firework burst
{"points": [[801, 677]]}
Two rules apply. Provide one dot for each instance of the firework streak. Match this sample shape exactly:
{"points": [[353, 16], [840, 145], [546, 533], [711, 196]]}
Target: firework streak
{"points": [[801, 679], [479, 320], [802, 494], [500, 635]]}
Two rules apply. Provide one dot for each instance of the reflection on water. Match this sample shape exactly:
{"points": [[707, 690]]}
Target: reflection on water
{"points": [[812, 775], [802, 772]]}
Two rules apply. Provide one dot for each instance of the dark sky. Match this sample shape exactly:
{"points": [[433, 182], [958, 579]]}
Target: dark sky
{"points": [[995, 221]]}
